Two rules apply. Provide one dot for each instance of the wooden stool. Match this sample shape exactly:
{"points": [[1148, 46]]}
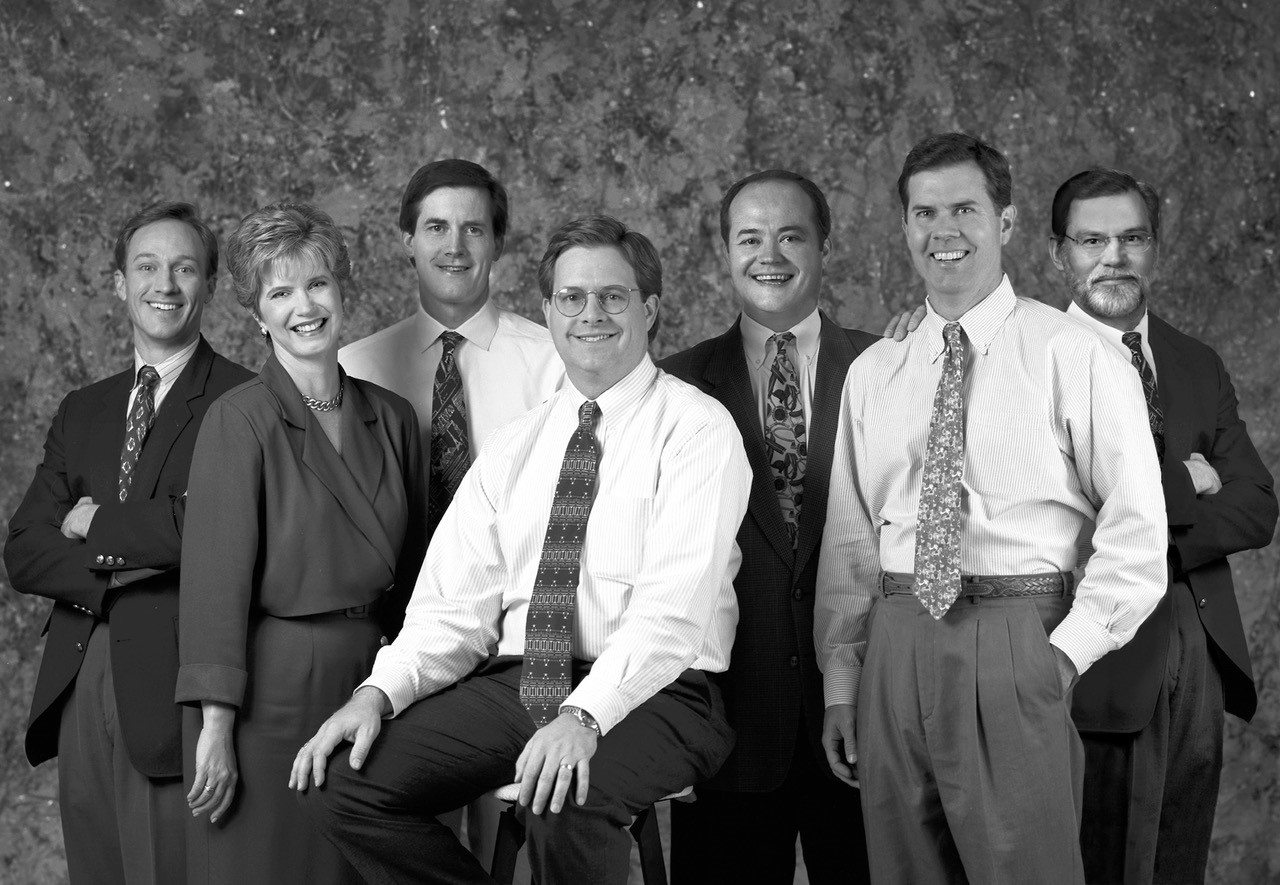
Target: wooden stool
{"points": [[644, 829]]}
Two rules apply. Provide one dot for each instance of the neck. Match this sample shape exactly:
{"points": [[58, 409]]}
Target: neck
{"points": [[317, 378], [780, 321], [153, 353], [451, 316], [953, 305]]}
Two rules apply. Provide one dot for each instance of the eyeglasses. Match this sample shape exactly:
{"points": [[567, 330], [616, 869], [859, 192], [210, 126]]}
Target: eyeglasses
{"points": [[1094, 245], [572, 301]]}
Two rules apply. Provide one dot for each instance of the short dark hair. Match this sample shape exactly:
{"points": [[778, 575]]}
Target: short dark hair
{"points": [[605, 231], [1100, 182], [168, 210], [953, 149], [821, 211], [454, 172], [283, 231]]}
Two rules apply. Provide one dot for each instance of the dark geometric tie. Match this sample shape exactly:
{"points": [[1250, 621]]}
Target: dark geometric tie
{"points": [[548, 627], [938, 517], [137, 427], [450, 451], [784, 434], [1155, 415]]}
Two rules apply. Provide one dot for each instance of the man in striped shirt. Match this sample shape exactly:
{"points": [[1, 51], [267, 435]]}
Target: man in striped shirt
{"points": [[969, 463]]}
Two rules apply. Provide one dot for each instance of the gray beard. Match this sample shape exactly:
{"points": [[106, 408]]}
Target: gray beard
{"points": [[1111, 301]]}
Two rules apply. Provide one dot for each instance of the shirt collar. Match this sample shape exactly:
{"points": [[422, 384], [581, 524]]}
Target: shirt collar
{"points": [[755, 338], [1108, 333], [170, 367], [478, 330], [980, 323], [623, 397]]}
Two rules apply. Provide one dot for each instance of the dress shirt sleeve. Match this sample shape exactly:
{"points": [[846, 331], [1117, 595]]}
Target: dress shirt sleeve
{"points": [[1242, 514], [1100, 402], [219, 558], [698, 506], [453, 617], [848, 564]]}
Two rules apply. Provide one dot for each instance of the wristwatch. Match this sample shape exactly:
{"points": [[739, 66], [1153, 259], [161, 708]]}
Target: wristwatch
{"points": [[585, 719]]}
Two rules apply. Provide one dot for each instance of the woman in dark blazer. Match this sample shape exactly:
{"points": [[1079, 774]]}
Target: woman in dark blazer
{"points": [[304, 535]]}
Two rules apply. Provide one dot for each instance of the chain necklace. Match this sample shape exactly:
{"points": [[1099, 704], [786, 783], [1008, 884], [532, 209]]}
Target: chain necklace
{"points": [[325, 405]]}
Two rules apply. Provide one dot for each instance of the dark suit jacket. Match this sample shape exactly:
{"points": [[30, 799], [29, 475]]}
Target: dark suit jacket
{"points": [[279, 524], [773, 679], [1119, 692], [82, 458]]}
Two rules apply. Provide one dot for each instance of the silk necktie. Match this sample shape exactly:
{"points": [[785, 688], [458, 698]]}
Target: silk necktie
{"points": [[784, 434], [136, 427], [545, 680], [938, 517], [450, 449], [1155, 415]]}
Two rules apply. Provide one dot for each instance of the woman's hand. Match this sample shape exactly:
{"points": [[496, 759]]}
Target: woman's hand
{"points": [[216, 774]]}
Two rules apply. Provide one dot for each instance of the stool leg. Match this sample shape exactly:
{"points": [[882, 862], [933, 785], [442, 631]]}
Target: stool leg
{"points": [[509, 839], [644, 829]]}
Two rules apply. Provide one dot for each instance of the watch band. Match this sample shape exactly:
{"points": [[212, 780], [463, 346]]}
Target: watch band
{"points": [[585, 719]]}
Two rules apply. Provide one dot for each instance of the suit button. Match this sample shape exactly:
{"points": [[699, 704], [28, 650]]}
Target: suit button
{"points": [[795, 661], [120, 561], [101, 559], [798, 593], [1203, 603], [79, 646], [111, 560]]}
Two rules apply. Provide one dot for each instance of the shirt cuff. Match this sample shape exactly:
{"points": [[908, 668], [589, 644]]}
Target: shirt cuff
{"points": [[605, 704], [1081, 640], [840, 686], [396, 684]]}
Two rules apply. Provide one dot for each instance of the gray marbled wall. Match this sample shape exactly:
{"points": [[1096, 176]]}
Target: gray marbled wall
{"points": [[647, 111]]}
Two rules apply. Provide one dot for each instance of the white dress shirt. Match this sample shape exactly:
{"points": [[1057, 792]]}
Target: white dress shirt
{"points": [[1113, 336], [169, 370], [1056, 439], [655, 595], [508, 365], [760, 354]]}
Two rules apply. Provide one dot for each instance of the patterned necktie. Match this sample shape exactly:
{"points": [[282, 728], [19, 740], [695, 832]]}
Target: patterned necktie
{"points": [[450, 450], [137, 427], [548, 628], [784, 434], [1155, 415], [938, 518]]}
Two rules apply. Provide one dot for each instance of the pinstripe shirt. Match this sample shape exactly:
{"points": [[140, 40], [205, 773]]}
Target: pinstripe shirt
{"points": [[1056, 441], [656, 592]]}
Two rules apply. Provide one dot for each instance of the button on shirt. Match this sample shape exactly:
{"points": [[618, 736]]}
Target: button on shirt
{"points": [[656, 591], [1056, 438], [508, 366], [760, 354]]}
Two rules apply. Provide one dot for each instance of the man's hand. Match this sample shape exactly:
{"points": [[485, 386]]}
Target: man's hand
{"points": [[1067, 674], [548, 762], [358, 720], [905, 322], [1203, 476], [76, 525], [838, 741]]}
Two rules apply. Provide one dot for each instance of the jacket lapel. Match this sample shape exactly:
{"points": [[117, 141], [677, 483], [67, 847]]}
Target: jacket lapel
{"points": [[1178, 389], [106, 429]]}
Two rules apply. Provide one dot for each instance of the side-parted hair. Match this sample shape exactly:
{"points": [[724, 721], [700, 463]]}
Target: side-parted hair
{"points": [[454, 173], [168, 210], [953, 149], [1100, 182], [821, 211], [605, 231], [283, 232]]}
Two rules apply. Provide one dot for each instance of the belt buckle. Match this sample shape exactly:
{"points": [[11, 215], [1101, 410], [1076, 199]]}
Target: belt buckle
{"points": [[357, 612]]}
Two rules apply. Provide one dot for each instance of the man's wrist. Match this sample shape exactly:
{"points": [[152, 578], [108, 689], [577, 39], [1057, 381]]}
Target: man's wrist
{"points": [[375, 697], [585, 719]]}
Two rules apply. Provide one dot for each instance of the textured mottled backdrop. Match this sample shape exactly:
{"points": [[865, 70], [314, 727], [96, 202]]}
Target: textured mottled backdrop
{"points": [[646, 110]]}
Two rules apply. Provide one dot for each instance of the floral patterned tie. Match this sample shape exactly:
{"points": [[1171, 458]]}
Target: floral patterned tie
{"points": [[450, 450], [938, 518], [545, 680], [137, 427], [784, 434], [1155, 415]]}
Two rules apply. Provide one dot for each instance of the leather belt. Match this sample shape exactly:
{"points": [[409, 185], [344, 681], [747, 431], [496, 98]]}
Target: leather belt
{"points": [[991, 586]]}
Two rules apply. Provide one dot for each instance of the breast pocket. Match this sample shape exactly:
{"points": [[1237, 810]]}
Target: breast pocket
{"points": [[614, 547]]}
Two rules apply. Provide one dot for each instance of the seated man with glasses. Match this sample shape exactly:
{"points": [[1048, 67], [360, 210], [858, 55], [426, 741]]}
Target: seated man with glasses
{"points": [[576, 599]]}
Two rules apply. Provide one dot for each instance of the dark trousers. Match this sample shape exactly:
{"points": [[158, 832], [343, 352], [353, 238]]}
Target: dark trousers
{"points": [[1150, 796], [119, 826], [751, 837], [447, 749]]}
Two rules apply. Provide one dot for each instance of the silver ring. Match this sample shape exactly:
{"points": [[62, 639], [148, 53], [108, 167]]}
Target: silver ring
{"points": [[209, 788], [567, 766]]}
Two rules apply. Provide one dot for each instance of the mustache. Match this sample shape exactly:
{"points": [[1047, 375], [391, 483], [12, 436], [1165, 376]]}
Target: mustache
{"points": [[1099, 276]]}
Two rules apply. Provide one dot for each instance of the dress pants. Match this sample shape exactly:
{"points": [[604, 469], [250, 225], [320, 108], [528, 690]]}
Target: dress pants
{"points": [[119, 825], [451, 747], [751, 837], [970, 764], [1150, 796]]}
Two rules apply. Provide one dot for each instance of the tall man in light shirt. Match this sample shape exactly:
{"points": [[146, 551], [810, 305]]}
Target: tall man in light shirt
{"points": [[638, 571], [99, 532], [949, 629], [1151, 713], [779, 371]]}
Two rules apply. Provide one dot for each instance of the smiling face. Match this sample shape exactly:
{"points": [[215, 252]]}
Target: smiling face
{"points": [[1111, 287], [164, 287], [300, 306], [453, 247], [955, 235], [775, 253], [599, 349]]}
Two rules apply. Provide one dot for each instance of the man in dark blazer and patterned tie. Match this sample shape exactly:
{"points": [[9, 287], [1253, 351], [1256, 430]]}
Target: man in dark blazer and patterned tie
{"points": [[1151, 713], [99, 533], [779, 370]]}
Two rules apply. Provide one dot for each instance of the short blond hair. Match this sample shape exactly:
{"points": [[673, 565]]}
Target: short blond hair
{"points": [[283, 232]]}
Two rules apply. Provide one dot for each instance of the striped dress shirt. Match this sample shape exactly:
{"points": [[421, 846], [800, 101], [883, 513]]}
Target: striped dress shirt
{"points": [[656, 592], [1056, 442]]}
